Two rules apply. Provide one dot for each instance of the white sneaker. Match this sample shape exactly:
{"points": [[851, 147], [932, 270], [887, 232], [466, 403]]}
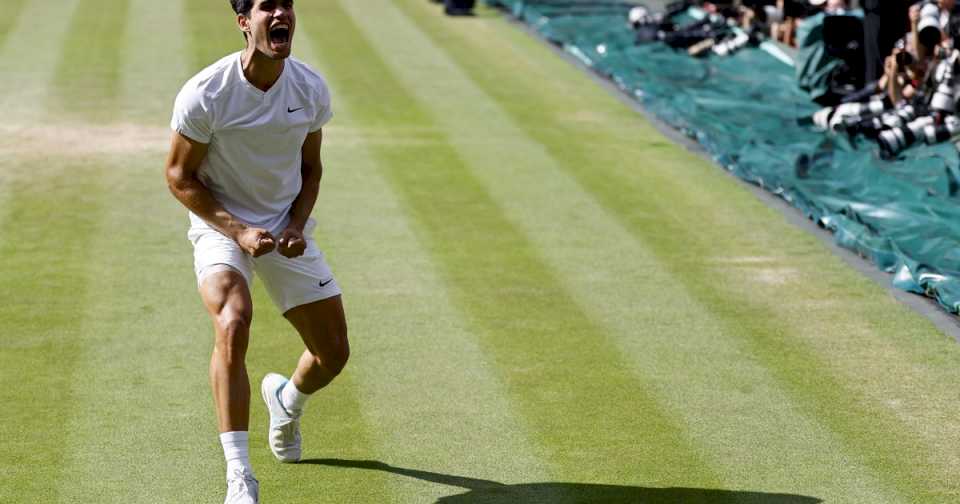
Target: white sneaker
{"points": [[284, 432], [242, 488]]}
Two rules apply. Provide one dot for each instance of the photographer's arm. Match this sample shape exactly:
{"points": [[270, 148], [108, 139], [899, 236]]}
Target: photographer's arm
{"points": [[892, 78]]}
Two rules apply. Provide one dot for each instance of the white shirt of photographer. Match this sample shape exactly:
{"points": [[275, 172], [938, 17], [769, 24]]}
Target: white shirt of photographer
{"points": [[253, 160]]}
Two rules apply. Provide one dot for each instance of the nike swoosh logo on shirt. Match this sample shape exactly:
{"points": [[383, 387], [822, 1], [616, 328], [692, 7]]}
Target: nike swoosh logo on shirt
{"points": [[290, 110]]}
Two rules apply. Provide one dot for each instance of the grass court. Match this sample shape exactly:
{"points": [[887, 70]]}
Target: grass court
{"points": [[542, 308]]}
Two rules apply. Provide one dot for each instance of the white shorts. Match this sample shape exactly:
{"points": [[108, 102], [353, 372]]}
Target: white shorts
{"points": [[289, 282]]}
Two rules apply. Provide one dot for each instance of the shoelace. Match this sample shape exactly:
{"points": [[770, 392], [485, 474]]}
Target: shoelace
{"points": [[240, 482], [288, 432]]}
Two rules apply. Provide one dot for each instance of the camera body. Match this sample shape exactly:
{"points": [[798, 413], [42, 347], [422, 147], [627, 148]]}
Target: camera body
{"points": [[904, 59]]}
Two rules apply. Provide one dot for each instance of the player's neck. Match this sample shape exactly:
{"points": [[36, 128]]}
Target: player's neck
{"points": [[260, 70]]}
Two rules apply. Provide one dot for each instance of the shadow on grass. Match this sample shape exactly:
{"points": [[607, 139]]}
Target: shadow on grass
{"points": [[491, 492]]}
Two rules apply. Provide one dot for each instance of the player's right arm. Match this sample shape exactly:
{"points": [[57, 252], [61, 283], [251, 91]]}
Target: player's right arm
{"points": [[182, 172]]}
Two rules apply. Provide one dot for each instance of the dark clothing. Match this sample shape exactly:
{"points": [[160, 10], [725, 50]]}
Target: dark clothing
{"points": [[884, 22], [459, 7]]}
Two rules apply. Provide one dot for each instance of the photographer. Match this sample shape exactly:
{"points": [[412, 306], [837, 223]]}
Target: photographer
{"points": [[911, 64], [884, 22], [786, 15], [929, 21], [902, 76]]}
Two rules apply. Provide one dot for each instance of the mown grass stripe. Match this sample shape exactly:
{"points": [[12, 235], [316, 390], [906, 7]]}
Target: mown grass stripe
{"points": [[157, 60], [12, 10], [432, 404], [333, 425], [563, 377], [45, 297], [211, 32], [576, 234], [29, 59], [140, 377], [871, 432], [87, 79], [142, 358]]}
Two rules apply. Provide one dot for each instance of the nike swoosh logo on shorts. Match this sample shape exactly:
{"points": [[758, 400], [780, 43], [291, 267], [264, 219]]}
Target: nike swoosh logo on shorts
{"points": [[324, 284], [290, 110]]}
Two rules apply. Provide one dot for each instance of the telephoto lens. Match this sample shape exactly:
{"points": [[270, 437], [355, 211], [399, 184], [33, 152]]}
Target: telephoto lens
{"points": [[936, 133], [872, 126], [732, 45], [895, 140], [847, 114], [928, 27], [844, 115], [869, 128], [639, 16], [820, 119], [899, 117], [945, 97]]}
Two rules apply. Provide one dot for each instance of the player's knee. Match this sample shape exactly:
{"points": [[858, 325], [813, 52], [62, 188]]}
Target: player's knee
{"points": [[339, 360], [233, 334], [335, 359]]}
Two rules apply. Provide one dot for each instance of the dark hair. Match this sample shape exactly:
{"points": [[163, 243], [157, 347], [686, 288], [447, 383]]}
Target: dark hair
{"points": [[242, 7]]}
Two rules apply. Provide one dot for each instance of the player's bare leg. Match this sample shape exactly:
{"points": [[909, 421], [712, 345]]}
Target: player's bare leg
{"points": [[323, 328], [228, 301]]}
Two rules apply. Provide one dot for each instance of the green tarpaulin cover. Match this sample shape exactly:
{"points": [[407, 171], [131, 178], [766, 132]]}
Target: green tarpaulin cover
{"points": [[901, 214], [813, 64]]}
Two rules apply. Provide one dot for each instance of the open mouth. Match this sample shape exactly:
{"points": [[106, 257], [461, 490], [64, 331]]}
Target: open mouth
{"points": [[280, 34]]}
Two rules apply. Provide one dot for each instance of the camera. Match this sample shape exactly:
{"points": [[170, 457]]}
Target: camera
{"points": [[871, 127], [899, 117], [731, 45], [709, 27], [895, 140], [638, 16], [845, 115], [936, 133], [944, 98], [928, 27], [904, 59], [835, 118]]}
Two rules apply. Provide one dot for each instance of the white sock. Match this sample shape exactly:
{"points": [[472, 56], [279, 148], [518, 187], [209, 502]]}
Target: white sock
{"points": [[236, 449], [292, 399]]}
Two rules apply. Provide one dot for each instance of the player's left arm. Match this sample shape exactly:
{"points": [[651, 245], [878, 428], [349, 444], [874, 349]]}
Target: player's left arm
{"points": [[292, 242]]}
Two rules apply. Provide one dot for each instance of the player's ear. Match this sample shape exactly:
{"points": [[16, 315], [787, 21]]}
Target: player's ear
{"points": [[244, 23]]}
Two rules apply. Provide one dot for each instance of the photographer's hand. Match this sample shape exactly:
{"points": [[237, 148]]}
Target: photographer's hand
{"points": [[890, 65]]}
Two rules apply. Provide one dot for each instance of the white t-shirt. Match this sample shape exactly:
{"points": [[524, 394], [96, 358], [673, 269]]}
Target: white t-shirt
{"points": [[253, 159]]}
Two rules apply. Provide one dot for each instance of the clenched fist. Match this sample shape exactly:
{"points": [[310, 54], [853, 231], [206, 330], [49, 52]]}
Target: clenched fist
{"points": [[292, 243], [256, 241]]}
